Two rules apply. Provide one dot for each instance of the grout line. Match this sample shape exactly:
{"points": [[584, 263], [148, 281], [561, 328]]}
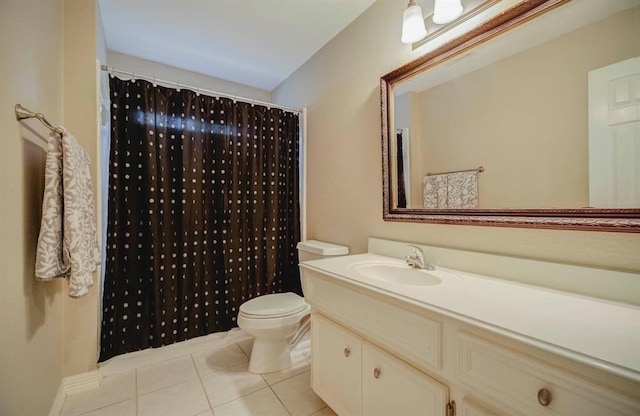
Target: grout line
{"points": [[101, 407], [135, 389], [240, 397], [245, 354], [321, 410], [201, 383], [280, 400], [174, 383]]}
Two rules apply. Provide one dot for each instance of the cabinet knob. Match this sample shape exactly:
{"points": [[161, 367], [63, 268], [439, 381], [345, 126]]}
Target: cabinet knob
{"points": [[376, 373], [347, 352], [544, 397]]}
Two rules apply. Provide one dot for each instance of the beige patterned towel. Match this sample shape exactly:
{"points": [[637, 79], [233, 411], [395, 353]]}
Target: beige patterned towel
{"points": [[68, 243], [435, 191], [462, 190]]}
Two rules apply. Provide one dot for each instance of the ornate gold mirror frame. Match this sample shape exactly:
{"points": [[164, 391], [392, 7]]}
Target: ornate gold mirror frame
{"points": [[596, 219]]}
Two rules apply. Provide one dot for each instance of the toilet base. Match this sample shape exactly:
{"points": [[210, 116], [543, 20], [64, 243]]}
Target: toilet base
{"points": [[270, 355]]}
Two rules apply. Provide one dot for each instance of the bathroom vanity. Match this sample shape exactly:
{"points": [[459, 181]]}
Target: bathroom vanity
{"points": [[392, 340]]}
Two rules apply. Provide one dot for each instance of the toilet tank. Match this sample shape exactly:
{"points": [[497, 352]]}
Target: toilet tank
{"points": [[315, 250]]}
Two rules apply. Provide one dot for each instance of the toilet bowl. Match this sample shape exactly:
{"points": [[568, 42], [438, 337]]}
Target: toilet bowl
{"points": [[279, 320]]}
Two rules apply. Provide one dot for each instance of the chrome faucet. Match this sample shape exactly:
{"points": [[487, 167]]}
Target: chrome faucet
{"points": [[417, 260]]}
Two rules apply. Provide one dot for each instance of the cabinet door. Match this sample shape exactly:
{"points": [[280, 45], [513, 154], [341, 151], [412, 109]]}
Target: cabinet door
{"points": [[336, 366], [392, 387]]}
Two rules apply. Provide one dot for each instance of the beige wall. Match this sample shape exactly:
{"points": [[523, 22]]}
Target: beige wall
{"points": [[31, 313], [170, 73], [340, 87], [531, 107], [81, 44]]}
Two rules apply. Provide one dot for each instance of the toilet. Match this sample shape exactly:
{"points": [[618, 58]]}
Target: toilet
{"points": [[279, 320]]}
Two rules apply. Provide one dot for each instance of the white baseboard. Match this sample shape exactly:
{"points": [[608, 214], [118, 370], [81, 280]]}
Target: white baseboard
{"points": [[58, 401], [72, 385], [81, 382]]}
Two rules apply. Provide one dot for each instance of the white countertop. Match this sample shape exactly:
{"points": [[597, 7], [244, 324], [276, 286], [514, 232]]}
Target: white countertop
{"points": [[596, 332]]}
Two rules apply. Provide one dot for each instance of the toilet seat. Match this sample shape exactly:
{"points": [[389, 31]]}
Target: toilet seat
{"points": [[277, 305]]}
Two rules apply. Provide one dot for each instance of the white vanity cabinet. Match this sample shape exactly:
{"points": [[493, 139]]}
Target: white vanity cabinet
{"points": [[375, 353], [355, 377]]}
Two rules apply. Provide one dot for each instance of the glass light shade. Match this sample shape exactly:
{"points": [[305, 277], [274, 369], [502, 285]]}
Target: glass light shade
{"points": [[413, 28], [445, 11]]}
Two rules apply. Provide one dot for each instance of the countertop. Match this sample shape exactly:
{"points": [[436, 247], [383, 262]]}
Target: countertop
{"points": [[593, 331]]}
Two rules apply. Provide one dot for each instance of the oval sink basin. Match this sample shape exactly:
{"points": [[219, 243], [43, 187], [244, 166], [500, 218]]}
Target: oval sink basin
{"points": [[400, 274]]}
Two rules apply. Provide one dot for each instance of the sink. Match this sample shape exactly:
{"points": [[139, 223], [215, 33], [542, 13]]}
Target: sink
{"points": [[397, 273]]}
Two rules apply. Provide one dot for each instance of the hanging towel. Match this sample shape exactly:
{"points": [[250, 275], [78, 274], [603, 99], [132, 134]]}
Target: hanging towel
{"points": [[435, 191], [462, 190], [51, 260], [68, 243]]}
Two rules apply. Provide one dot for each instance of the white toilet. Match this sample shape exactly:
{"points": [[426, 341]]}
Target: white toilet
{"points": [[279, 320]]}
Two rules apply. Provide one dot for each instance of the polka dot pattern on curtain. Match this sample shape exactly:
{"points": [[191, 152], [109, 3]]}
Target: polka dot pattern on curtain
{"points": [[203, 213]]}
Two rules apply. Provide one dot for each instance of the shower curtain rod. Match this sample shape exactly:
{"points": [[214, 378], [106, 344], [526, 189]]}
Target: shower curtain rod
{"points": [[480, 169], [198, 90]]}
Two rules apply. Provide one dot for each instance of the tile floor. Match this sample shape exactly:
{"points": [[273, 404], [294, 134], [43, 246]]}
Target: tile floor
{"points": [[211, 382]]}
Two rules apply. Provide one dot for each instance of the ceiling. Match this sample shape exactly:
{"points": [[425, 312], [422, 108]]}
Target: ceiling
{"points": [[258, 43]]}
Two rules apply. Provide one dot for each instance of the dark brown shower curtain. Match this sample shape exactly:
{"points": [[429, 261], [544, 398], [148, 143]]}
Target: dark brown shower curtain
{"points": [[402, 194], [203, 213]]}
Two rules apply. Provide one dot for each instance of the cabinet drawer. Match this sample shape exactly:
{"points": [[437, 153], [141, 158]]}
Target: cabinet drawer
{"points": [[411, 336], [516, 379], [336, 366]]}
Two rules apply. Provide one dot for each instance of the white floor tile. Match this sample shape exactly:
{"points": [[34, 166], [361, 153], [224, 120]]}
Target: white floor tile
{"points": [[217, 377], [219, 358], [185, 399], [126, 408], [261, 403], [297, 396], [165, 374], [112, 390], [231, 383]]}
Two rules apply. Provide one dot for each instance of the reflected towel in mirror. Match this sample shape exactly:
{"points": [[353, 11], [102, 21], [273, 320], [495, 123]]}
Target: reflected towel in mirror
{"points": [[462, 190], [457, 190], [435, 191]]}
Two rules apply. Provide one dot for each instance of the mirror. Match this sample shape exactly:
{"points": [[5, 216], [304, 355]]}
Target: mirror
{"points": [[531, 120]]}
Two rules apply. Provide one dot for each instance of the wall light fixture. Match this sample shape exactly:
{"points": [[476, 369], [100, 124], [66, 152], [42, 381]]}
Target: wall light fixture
{"points": [[413, 29], [445, 11]]}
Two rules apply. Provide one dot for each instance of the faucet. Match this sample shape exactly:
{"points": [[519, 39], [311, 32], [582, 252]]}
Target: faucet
{"points": [[417, 260]]}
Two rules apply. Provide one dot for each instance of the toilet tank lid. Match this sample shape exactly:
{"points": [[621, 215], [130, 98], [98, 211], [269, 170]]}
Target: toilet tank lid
{"points": [[274, 305], [322, 248]]}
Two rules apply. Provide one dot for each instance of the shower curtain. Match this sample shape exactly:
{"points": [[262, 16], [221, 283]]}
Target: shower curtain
{"points": [[203, 213]]}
